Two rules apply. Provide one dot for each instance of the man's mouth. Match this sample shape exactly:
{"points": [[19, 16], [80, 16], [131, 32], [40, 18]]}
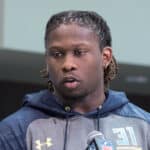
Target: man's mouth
{"points": [[70, 82]]}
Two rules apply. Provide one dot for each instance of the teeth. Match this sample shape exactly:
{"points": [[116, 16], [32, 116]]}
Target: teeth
{"points": [[70, 80]]}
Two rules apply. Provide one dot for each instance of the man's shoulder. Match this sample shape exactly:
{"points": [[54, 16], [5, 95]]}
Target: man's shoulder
{"points": [[132, 110], [13, 128], [19, 121]]}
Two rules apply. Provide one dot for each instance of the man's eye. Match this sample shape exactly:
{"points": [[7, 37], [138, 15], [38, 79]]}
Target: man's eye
{"points": [[56, 54], [79, 52]]}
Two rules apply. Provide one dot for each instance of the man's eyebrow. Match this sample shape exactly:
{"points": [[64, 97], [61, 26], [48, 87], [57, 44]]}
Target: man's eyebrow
{"points": [[55, 47], [73, 45]]}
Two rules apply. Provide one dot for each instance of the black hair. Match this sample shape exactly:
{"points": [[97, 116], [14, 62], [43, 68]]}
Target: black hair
{"points": [[93, 21], [88, 19]]}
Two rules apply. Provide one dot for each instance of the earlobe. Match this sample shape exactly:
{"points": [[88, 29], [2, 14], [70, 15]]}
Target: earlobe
{"points": [[107, 56]]}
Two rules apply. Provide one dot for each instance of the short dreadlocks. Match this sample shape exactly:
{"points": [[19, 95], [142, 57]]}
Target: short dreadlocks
{"points": [[91, 20]]}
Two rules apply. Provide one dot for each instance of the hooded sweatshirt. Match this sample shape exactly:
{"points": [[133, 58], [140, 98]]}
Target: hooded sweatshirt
{"points": [[44, 124]]}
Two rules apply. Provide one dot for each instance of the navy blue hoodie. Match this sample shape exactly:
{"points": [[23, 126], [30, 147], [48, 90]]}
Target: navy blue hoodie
{"points": [[44, 124]]}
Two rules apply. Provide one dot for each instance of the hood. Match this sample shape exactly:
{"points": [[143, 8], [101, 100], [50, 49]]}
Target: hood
{"points": [[47, 103]]}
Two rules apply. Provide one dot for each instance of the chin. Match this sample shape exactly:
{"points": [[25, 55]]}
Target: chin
{"points": [[73, 95]]}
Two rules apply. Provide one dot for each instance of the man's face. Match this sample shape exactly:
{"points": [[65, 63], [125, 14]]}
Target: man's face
{"points": [[74, 61]]}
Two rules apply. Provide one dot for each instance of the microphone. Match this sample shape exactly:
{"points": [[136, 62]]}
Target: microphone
{"points": [[97, 141]]}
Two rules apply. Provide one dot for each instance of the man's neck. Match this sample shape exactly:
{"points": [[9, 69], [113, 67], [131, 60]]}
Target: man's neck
{"points": [[84, 104], [89, 104]]}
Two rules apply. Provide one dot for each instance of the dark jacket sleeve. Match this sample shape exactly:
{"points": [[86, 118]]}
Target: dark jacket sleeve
{"points": [[148, 140], [11, 136], [10, 144]]}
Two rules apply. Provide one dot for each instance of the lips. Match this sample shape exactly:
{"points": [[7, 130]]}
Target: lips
{"points": [[70, 82]]}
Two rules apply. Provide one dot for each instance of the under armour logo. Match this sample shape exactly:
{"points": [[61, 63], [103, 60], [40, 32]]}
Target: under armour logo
{"points": [[39, 145]]}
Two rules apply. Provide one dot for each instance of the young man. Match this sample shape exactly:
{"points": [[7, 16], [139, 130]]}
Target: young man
{"points": [[80, 65]]}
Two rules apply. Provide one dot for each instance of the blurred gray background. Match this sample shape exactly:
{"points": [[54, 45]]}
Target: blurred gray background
{"points": [[22, 26]]}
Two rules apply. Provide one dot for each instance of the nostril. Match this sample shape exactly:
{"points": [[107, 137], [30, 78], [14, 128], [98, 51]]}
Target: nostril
{"points": [[68, 68], [69, 64]]}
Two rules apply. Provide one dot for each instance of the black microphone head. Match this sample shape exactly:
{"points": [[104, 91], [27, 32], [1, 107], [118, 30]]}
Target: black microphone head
{"points": [[94, 134]]}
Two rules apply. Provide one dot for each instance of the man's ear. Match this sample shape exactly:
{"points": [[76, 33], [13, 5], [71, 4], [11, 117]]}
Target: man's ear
{"points": [[107, 56]]}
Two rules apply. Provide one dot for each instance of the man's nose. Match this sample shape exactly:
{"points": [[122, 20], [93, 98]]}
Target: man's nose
{"points": [[69, 64]]}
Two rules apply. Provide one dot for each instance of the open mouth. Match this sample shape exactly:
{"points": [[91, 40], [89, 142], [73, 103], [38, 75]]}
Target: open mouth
{"points": [[70, 82]]}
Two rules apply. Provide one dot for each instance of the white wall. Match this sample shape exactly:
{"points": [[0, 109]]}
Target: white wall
{"points": [[129, 20]]}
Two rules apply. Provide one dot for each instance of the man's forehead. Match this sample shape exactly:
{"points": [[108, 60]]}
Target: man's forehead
{"points": [[73, 30]]}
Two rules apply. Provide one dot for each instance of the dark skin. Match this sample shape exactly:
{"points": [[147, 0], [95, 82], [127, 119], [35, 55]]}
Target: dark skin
{"points": [[75, 64]]}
